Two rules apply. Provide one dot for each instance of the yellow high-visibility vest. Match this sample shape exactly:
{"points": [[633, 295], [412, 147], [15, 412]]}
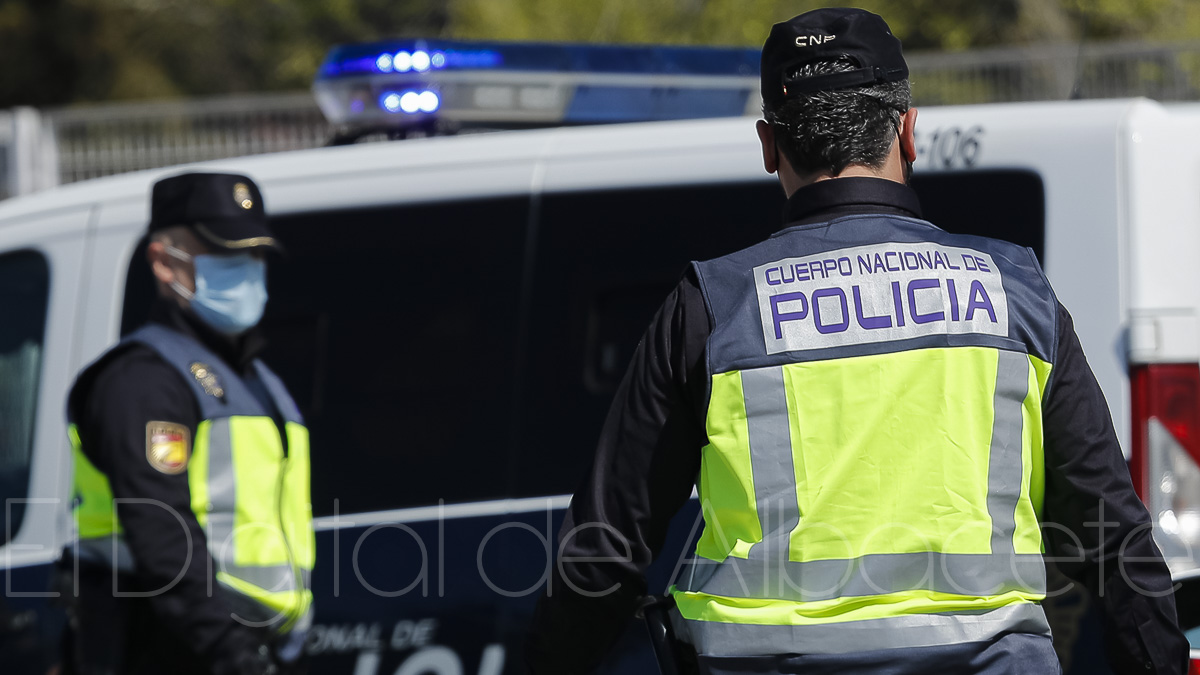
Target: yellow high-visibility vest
{"points": [[249, 483], [873, 476]]}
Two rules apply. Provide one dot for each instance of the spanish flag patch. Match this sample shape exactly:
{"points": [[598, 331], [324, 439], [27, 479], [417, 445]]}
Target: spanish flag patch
{"points": [[168, 446]]}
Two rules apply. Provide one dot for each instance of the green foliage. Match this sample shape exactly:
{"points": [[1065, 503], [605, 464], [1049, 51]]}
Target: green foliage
{"points": [[68, 51]]}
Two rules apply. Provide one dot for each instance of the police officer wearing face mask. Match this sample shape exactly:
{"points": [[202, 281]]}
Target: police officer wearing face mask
{"points": [[191, 474]]}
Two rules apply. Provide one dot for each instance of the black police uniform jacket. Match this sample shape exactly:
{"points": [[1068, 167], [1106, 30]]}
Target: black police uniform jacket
{"points": [[189, 628], [648, 458]]}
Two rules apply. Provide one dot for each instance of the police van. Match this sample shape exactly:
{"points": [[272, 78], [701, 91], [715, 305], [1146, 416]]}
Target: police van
{"points": [[454, 313]]}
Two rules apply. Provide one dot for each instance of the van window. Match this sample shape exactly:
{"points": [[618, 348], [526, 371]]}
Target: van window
{"points": [[395, 330], [24, 288], [604, 262], [1007, 204]]}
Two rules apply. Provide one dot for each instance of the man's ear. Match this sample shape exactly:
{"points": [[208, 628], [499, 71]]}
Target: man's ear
{"points": [[157, 257], [766, 136], [908, 139]]}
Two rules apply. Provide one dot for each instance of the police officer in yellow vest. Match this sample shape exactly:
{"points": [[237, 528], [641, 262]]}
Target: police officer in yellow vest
{"points": [[195, 541], [879, 417]]}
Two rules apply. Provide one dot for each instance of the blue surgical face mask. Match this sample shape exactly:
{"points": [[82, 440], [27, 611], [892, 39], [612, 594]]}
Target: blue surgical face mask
{"points": [[231, 290]]}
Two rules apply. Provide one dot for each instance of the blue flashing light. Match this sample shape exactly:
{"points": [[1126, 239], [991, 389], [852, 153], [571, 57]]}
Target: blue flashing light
{"points": [[410, 102], [420, 61], [390, 102], [425, 55], [428, 101], [403, 62], [384, 63]]}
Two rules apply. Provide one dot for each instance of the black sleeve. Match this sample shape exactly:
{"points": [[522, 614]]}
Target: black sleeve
{"points": [[162, 532], [1096, 528], [646, 464]]}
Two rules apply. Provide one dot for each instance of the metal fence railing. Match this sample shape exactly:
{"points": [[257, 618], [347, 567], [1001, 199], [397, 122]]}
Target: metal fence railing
{"points": [[1165, 72], [106, 139]]}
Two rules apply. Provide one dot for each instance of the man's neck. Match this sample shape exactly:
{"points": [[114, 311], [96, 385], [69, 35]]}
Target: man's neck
{"points": [[892, 169]]}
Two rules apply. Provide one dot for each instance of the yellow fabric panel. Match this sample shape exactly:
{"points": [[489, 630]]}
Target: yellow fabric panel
{"points": [[704, 607], [1037, 488], [198, 472], [257, 451], [94, 513], [297, 500], [1028, 535], [731, 524], [905, 437]]}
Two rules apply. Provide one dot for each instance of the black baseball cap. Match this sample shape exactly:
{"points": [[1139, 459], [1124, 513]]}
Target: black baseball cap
{"points": [[224, 209], [827, 34]]}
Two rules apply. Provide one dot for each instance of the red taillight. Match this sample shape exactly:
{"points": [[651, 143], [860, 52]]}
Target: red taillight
{"points": [[1169, 392], [1165, 457], [1194, 669]]}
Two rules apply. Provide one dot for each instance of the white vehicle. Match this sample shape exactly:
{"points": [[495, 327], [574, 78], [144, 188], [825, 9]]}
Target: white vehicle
{"points": [[454, 313]]}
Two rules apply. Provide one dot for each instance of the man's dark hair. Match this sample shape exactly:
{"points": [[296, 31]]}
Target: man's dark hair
{"points": [[826, 131]]}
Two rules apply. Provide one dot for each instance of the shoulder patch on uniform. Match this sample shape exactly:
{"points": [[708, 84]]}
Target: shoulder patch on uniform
{"points": [[207, 379], [168, 446]]}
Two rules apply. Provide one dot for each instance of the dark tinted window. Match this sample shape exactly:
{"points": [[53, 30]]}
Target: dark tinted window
{"points": [[1009, 205], [604, 262], [395, 330], [24, 288]]}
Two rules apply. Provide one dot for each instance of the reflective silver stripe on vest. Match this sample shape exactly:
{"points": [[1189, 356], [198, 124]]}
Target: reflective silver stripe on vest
{"points": [[222, 495], [771, 458], [222, 484], [979, 575], [768, 573], [896, 632], [1005, 468]]}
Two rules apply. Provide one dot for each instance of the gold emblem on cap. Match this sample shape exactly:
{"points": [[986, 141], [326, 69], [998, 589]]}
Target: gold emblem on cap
{"points": [[207, 379], [168, 446], [241, 195]]}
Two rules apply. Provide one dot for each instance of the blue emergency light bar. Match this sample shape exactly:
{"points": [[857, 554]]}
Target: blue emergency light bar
{"points": [[407, 82], [421, 56]]}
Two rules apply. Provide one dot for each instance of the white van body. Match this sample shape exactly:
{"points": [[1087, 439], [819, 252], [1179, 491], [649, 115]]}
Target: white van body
{"points": [[1121, 246]]}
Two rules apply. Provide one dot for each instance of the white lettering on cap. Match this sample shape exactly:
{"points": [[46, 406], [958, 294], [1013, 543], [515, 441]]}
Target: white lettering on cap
{"points": [[810, 40]]}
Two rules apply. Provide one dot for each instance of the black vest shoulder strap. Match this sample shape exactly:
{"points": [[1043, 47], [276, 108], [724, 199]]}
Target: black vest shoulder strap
{"points": [[278, 392], [218, 390]]}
